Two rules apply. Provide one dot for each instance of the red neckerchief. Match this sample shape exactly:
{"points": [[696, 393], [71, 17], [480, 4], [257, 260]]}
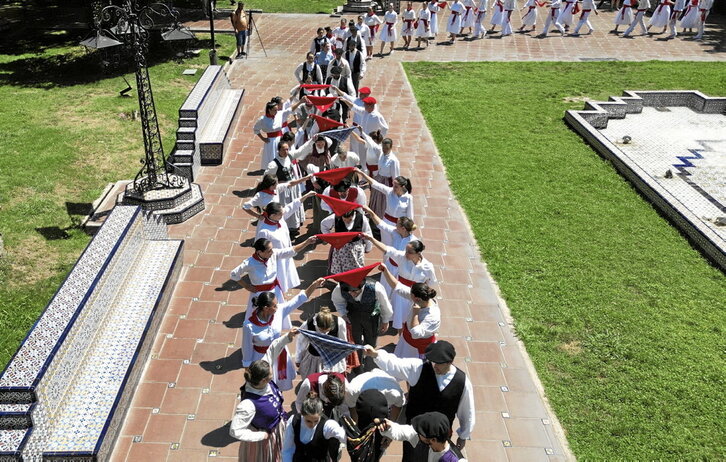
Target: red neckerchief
{"points": [[256, 321], [261, 260], [270, 191], [266, 220]]}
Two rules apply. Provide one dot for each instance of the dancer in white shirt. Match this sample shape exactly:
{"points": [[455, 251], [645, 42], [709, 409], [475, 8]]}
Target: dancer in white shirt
{"points": [[678, 8], [661, 15], [704, 8], [389, 34], [480, 29], [423, 26], [624, 16], [453, 26], [509, 7], [638, 20], [407, 26], [587, 7]]}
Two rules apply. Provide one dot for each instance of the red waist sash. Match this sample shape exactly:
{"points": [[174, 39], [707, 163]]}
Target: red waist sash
{"points": [[274, 134], [419, 343], [392, 261], [372, 168], [267, 287], [390, 218], [281, 361], [406, 282]]}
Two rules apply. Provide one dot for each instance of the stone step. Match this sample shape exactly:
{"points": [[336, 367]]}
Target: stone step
{"points": [[185, 145], [185, 169], [94, 406], [186, 133], [186, 210], [182, 156], [16, 416], [218, 129], [187, 122], [11, 442], [201, 91]]}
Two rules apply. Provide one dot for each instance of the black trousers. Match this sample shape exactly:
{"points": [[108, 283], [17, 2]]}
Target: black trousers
{"points": [[364, 329]]}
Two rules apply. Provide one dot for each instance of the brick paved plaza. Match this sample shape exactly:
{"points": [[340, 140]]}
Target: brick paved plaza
{"points": [[190, 387]]}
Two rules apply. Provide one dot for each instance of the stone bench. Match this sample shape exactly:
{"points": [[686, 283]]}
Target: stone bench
{"points": [[65, 392]]}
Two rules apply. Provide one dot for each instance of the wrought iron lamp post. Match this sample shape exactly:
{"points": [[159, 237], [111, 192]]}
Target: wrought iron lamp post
{"points": [[130, 25]]}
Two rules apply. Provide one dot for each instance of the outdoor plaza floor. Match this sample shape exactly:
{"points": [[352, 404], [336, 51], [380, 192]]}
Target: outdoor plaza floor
{"points": [[190, 388]]}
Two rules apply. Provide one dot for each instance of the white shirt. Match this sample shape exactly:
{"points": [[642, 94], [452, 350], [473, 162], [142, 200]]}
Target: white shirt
{"points": [[240, 427], [390, 17], [375, 380], [331, 429], [302, 344], [396, 206], [589, 5], [705, 4], [327, 226], [643, 5], [341, 305], [429, 318], [373, 151], [360, 198], [407, 433], [351, 160], [371, 121], [510, 5], [389, 165], [278, 235], [258, 272], [318, 74], [409, 369]]}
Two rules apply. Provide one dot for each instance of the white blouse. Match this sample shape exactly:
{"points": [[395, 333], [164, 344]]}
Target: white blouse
{"points": [[331, 429], [261, 273], [375, 380], [422, 271], [396, 206], [261, 336], [388, 165]]}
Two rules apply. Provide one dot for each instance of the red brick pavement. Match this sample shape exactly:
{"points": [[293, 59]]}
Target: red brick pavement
{"points": [[184, 401]]}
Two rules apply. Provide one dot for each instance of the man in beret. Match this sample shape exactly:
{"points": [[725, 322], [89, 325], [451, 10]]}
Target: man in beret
{"points": [[429, 434], [436, 385]]}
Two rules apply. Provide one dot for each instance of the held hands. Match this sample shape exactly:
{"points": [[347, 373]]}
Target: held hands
{"points": [[370, 351], [293, 332], [460, 443]]}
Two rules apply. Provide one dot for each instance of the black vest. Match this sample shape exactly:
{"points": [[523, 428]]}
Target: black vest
{"points": [[355, 64], [319, 43], [357, 226], [318, 449], [358, 42], [426, 397], [306, 72], [368, 303], [310, 325], [283, 174], [342, 83]]}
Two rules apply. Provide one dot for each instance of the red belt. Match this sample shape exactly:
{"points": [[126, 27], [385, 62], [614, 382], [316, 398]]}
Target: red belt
{"points": [[406, 282], [267, 287], [274, 134], [454, 14], [467, 11], [390, 218], [390, 26], [703, 14], [372, 168], [419, 343], [392, 261], [281, 361]]}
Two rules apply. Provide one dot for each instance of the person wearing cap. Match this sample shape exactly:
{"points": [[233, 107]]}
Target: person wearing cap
{"points": [[310, 436], [365, 441], [261, 269], [259, 418], [436, 386], [429, 434], [265, 324], [365, 306], [369, 118], [389, 34], [373, 22], [356, 61], [352, 254]]}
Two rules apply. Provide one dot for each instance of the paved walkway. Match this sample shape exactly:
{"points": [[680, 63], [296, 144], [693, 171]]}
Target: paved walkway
{"points": [[190, 387]]}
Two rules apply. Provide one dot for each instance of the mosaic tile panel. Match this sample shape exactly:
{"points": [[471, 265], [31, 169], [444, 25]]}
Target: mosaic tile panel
{"points": [[154, 227], [10, 440], [184, 211], [26, 366], [87, 407], [198, 93], [676, 155]]}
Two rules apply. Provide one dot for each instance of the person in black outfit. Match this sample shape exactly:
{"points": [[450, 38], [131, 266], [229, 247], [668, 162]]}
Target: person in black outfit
{"points": [[357, 64], [310, 436]]}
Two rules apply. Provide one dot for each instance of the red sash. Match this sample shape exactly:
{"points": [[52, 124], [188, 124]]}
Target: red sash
{"points": [[390, 28], [372, 168], [281, 361], [390, 218], [409, 23], [583, 13], [703, 14], [419, 343], [406, 282], [267, 287], [467, 12], [274, 134], [529, 11], [392, 261], [454, 14]]}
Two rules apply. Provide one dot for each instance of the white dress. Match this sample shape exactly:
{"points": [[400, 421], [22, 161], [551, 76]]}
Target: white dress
{"points": [[279, 235], [398, 242], [422, 271], [692, 17], [265, 275], [661, 15], [497, 12], [257, 336], [434, 9], [272, 127], [469, 15], [429, 319], [396, 206], [565, 17], [373, 22], [529, 18], [453, 25], [409, 17], [388, 29], [424, 24], [311, 364], [624, 16]]}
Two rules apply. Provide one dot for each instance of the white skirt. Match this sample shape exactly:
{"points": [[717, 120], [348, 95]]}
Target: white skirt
{"points": [[565, 17], [434, 23], [661, 16], [404, 350], [453, 24], [268, 152], [624, 16], [407, 29], [401, 309], [388, 35], [530, 17], [497, 13], [692, 19], [421, 31]]}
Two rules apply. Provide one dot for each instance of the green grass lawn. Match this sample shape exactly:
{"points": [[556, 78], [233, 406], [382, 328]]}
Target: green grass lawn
{"points": [[64, 134], [623, 319], [294, 6]]}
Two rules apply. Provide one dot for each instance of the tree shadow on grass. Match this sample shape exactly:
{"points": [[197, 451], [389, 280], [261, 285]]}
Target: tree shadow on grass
{"points": [[77, 68]]}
